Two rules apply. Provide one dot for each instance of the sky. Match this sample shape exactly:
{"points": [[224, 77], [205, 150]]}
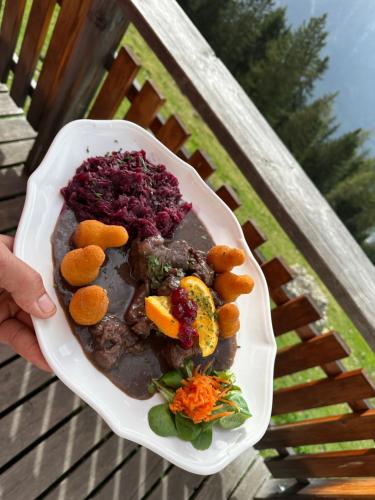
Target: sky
{"points": [[351, 49]]}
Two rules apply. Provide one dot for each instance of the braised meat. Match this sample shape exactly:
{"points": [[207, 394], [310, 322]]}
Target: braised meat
{"points": [[175, 355], [111, 337]]}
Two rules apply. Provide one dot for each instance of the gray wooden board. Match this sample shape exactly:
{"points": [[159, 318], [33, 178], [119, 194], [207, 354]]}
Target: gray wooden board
{"points": [[135, 478], [6, 353], [273, 487], [252, 481], [35, 417], [12, 182], [3, 87], [260, 154], [14, 129], [220, 485], [10, 212], [93, 470], [17, 379], [7, 106], [13, 153], [38, 469]]}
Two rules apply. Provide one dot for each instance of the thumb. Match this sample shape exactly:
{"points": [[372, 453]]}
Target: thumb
{"points": [[24, 284]]}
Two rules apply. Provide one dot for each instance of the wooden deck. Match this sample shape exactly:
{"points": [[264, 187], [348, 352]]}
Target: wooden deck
{"points": [[52, 444]]}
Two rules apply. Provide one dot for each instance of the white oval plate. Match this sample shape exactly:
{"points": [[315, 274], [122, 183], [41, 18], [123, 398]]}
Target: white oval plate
{"points": [[127, 417]]}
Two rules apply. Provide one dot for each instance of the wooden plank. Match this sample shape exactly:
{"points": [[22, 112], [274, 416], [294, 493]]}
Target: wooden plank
{"points": [[56, 455], [85, 35], [253, 235], [252, 481], [15, 129], [7, 106], [222, 484], [10, 212], [293, 314], [178, 481], [3, 87], [10, 26], [17, 380], [157, 124], [354, 463], [229, 196], [202, 164], [145, 105], [13, 153], [36, 416], [348, 386], [344, 489], [36, 30], [6, 353], [173, 134], [91, 472], [259, 153], [119, 79], [12, 182], [320, 350], [335, 429], [276, 272], [135, 478]]}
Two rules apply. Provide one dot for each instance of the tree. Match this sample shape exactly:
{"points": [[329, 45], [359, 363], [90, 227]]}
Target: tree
{"points": [[278, 68]]}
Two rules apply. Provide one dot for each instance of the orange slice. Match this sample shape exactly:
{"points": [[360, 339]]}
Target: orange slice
{"points": [[158, 310], [205, 323]]}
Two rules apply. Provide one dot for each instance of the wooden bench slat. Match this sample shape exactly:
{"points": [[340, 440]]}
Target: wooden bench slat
{"points": [[3, 87], [253, 235], [17, 380], [14, 153], [347, 489], [229, 196], [6, 353], [15, 129], [8, 106], [137, 475], [10, 212], [276, 272], [356, 463], [10, 26], [51, 458], [91, 472], [115, 87], [145, 106], [320, 350], [252, 481], [173, 134], [349, 427], [36, 416], [36, 30], [293, 314], [202, 164], [157, 124], [348, 386], [12, 182]]}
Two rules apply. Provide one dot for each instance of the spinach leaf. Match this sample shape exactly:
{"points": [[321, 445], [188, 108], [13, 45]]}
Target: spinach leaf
{"points": [[240, 416], [186, 428], [172, 379], [161, 421], [168, 394], [188, 367], [233, 421], [204, 440]]}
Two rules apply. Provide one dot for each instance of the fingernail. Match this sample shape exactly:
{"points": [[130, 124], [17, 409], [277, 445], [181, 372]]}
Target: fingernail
{"points": [[45, 304]]}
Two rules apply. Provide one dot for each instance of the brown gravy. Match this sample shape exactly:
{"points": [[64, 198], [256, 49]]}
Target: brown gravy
{"points": [[133, 372]]}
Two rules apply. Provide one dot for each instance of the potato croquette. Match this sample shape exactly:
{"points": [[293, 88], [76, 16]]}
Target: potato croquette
{"points": [[89, 305], [230, 286], [229, 320], [93, 232], [222, 258], [81, 266]]}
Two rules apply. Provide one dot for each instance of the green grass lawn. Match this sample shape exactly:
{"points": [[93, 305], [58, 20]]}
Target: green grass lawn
{"points": [[278, 243]]}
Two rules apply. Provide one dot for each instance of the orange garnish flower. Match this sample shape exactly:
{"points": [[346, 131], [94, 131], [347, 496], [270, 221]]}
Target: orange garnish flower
{"points": [[197, 398]]}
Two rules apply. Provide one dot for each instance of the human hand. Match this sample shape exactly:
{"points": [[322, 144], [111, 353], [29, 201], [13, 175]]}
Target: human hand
{"points": [[21, 293]]}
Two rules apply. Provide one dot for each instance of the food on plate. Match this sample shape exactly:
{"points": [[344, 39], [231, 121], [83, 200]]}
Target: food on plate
{"points": [[223, 258], [196, 401], [230, 286], [153, 305], [93, 232], [81, 266], [89, 305], [229, 320]]}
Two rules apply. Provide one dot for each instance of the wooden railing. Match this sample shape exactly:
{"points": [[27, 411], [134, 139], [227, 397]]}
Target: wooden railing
{"points": [[81, 56]]}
